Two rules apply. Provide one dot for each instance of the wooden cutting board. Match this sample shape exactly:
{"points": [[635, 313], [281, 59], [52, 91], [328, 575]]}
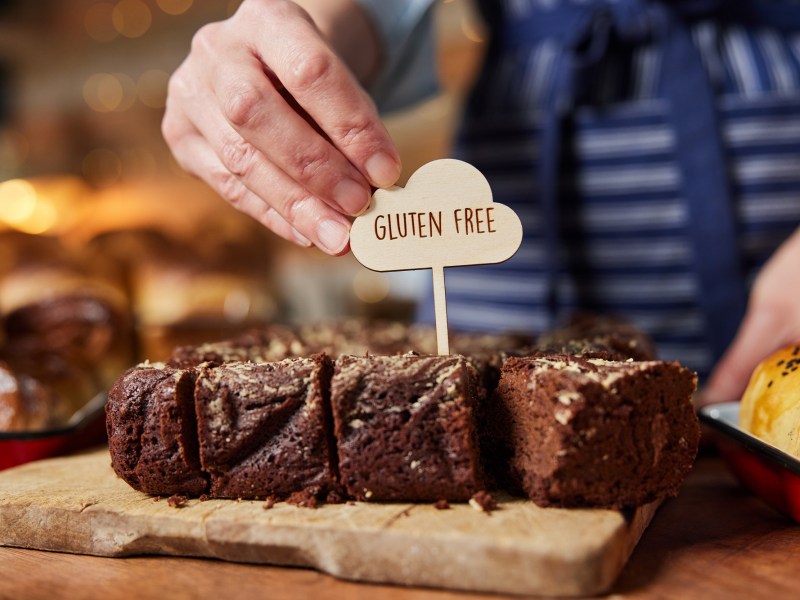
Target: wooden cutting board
{"points": [[77, 504]]}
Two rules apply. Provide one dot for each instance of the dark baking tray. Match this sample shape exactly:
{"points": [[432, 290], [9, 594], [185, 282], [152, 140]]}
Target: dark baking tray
{"points": [[86, 428], [768, 472]]}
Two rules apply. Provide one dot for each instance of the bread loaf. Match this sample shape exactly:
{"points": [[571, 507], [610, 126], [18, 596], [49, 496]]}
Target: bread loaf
{"points": [[770, 407]]}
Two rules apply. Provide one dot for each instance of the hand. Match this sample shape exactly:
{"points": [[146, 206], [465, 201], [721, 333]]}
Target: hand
{"points": [[272, 119], [772, 321]]}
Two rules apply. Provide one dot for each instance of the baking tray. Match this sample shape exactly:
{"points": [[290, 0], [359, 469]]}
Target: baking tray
{"points": [[768, 472], [86, 428]]}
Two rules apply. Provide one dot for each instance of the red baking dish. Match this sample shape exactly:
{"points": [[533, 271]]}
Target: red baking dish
{"points": [[768, 472], [86, 428]]}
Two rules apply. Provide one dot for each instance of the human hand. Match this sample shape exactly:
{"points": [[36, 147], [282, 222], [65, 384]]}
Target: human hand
{"points": [[771, 322], [266, 113]]}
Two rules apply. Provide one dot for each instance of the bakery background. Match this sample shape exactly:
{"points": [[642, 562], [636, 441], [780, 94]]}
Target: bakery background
{"points": [[93, 207]]}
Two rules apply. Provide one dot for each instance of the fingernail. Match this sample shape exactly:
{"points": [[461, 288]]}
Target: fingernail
{"points": [[333, 236], [350, 196], [382, 169]]}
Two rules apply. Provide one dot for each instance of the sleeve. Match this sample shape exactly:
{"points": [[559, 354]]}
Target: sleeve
{"points": [[408, 74]]}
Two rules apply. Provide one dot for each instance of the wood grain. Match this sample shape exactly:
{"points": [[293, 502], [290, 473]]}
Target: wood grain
{"points": [[715, 540], [78, 505]]}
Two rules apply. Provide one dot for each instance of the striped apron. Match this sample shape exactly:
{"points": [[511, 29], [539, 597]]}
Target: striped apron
{"points": [[652, 151]]}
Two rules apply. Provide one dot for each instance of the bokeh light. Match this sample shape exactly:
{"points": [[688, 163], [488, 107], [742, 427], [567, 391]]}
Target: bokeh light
{"points": [[370, 287], [17, 201], [99, 23], [24, 209], [103, 92], [174, 7], [151, 87], [106, 92], [132, 18]]}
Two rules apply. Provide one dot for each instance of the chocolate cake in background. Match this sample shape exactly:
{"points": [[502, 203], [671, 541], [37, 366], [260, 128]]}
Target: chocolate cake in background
{"points": [[65, 323], [405, 427], [597, 336], [592, 432], [26, 404]]}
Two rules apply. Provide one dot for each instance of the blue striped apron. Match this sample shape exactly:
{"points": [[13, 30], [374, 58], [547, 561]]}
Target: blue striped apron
{"points": [[636, 141]]}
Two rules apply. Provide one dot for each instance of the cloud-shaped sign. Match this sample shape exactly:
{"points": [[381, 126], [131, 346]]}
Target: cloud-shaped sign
{"points": [[444, 217]]}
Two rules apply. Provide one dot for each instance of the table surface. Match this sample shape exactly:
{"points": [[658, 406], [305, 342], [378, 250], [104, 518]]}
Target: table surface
{"points": [[714, 540]]}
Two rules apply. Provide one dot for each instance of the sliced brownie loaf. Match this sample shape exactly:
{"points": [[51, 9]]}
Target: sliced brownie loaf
{"points": [[591, 432], [152, 431], [264, 429], [405, 427], [266, 344], [594, 336]]}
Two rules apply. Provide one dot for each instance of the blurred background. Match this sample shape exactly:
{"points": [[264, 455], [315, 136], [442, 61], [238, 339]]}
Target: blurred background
{"points": [[82, 163]]}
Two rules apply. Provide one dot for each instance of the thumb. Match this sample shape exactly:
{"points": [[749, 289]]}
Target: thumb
{"points": [[761, 333]]}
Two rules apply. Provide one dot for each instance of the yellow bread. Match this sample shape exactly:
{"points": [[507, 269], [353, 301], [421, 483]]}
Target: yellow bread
{"points": [[770, 407]]}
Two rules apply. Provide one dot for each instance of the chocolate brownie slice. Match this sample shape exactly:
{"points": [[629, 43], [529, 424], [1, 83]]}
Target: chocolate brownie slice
{"points": [[266, 344], [152, 432], [405, 427], [264, 429], [594, 336], [591, 432]]}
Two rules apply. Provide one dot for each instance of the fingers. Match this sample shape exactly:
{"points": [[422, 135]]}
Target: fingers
{"points": [[266, 113], [196, 156], [772, 321], [760, 334], [257, 112], [322, 84]]}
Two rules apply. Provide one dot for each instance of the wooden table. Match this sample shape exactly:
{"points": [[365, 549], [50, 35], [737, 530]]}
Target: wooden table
{"points": [[713, 541]]}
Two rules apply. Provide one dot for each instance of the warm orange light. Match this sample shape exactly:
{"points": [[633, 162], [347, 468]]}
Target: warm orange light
{"points": [[174, 7], [98, 22], [132, 18], [17, 201], [43, 218]]}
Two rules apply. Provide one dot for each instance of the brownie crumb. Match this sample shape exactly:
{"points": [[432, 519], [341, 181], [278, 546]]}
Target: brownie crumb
{"points": [[307, 498], [351, 503], [204, 498], [441, 504], [268, 503], [483, 501], [177, 500], [156, 498]]}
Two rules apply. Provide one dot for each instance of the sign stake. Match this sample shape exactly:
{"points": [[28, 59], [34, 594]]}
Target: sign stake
{"points": [[440, 310]]}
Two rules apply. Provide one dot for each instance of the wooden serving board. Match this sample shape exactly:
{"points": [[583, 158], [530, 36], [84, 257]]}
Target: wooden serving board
{"points": [[77, 504]]}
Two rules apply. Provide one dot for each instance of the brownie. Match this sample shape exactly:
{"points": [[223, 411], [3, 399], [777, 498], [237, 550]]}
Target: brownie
{"points": [[264, 429], [152, 431], [594, 336], [266, 344], [405, 427], [597, 433]]}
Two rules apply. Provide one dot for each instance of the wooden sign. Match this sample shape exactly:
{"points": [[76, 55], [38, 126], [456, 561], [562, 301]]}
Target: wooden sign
{"points": [[444, 217]]}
